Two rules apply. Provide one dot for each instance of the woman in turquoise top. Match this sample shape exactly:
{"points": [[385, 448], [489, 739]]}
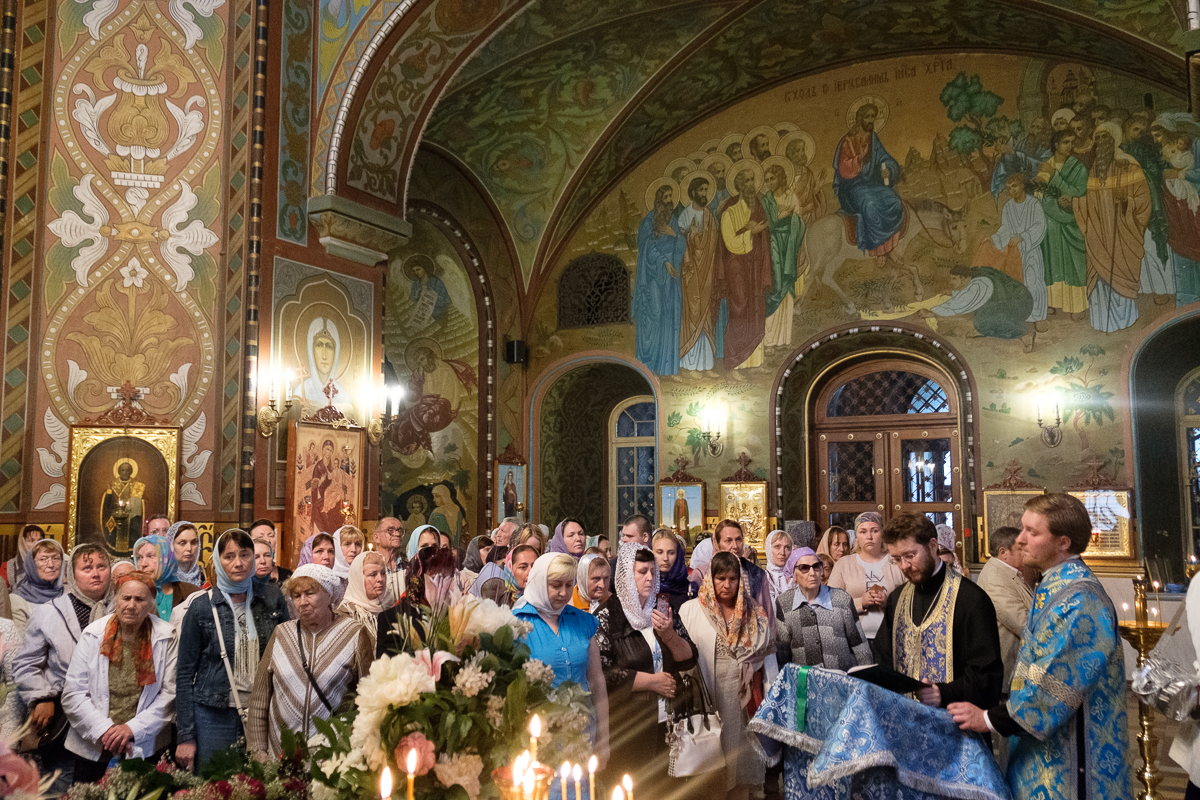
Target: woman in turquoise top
{"points": [[154, 556], [562, 638]]}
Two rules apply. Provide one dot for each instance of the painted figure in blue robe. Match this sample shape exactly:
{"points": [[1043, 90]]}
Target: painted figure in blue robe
{"points": [[426, 290], [1011, 155], [1065, 711], [657, 297], [863, 176]]}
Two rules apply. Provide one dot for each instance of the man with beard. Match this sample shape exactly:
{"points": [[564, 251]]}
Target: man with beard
{"points": [[743, 272], [939, 627], [717, 165], [1158, 278], [656, 293], [697, 327], [1112, 217], [1037, 142], [863, 176], [1081, 126], [1061, 179], [806, 190]]}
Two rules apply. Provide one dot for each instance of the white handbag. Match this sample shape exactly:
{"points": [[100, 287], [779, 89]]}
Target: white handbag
{"points": [[695, 738]]}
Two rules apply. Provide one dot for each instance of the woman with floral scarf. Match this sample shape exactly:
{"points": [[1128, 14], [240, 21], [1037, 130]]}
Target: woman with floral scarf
{"points": [[734, 644]]}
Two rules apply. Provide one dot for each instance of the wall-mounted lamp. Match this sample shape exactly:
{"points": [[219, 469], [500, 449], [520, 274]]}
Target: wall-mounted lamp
{"points": [[1051, 434], [390, 399], [268, 416], [711, 434]]}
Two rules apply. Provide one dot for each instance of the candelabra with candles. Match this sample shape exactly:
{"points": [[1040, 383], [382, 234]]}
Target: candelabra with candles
{"points": [[527, 779], [390, 402], [1143, 634], [268, 415]]}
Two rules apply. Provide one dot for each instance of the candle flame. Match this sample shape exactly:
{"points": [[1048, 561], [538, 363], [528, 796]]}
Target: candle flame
{"points": [[565, 769], [577, 772], [1124, 606], [412, 761], [593, 762], [527, 782], [618, 793], [627, 782], [1155, 610], [535, 727], [1156, 585], [385, 783]]}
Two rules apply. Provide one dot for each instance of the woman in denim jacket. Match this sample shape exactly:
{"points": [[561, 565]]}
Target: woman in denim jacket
{"points": [[206, 708]]}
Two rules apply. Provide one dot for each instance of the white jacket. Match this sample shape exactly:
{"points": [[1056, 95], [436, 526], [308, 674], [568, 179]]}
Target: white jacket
{"points": [[40, 665], [85, 694], [1185, 750]]}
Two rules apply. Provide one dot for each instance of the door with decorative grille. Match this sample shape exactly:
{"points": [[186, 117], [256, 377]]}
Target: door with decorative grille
{"points": [[887, 440]]}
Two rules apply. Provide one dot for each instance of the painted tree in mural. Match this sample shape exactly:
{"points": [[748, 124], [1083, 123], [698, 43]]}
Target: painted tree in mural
{"points": [[1083, 401], [978, 126]]}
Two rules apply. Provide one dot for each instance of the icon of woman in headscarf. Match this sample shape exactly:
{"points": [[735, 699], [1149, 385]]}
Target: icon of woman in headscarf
{"points": [[324, 355]]}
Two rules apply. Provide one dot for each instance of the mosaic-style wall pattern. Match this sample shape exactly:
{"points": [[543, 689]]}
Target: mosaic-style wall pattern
{"points": [[1038, 219], [295, 104], [135, 226]]}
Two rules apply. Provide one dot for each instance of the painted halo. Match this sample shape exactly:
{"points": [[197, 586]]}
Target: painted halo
{"points": [[424, 342], [789, 170], [653, 188], [784, 128], [117, 466], [707, 163], [736, 169], [685, 164], [727, 142], [710, 147], [879, 103], [691, 176], [809, 145], [762, 130]]}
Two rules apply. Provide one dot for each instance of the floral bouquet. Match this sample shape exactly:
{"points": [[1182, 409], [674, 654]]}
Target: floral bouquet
{"points": [[459, 693]]}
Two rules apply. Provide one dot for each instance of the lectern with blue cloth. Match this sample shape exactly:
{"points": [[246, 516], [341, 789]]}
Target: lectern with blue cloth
{"points": [[844, 738]]}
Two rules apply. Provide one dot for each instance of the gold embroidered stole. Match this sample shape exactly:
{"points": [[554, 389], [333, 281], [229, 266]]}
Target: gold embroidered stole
{"points": [[925, 651]]}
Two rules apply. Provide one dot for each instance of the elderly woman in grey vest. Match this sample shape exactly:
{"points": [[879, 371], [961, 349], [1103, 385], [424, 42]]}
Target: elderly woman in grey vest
{"points": [[40, 664], [817, 625]]}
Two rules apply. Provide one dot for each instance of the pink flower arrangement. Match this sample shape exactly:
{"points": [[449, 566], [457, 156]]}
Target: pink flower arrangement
{"points": [[17, 775], [425, 753]]}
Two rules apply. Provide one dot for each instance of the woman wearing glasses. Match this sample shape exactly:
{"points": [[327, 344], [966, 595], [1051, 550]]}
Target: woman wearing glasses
{"points": [[817, 625]]}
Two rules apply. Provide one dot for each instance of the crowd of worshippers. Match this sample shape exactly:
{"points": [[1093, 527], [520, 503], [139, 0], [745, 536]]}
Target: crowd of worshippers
{"points": [[159, 655]]}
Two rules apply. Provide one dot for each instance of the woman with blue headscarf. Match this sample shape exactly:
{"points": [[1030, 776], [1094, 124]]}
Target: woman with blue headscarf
{"points": [[154, 556], [426, 532], [221, 641]]}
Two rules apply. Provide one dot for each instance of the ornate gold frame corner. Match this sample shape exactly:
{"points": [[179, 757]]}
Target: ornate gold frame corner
{"points": [[746, 502], [85, 438]]}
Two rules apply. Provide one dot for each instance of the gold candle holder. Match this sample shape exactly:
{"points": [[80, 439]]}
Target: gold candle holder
{"points": [[1143, 635], [503, 778]]}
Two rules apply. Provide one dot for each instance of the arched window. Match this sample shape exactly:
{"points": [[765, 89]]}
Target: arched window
{"points": [[1187, 411], [632, 464], [593, 290], [887, 441]]}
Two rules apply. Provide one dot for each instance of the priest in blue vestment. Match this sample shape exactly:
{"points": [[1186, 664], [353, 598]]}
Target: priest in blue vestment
{"points": [[1066, 706], [863, 176]]}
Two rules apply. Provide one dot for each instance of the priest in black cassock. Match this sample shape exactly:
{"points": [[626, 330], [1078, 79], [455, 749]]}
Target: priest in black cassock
{"points": [[939, 628]]}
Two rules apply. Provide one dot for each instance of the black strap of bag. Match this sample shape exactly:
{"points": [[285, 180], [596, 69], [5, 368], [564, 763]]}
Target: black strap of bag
{"points": [[304, 662]]}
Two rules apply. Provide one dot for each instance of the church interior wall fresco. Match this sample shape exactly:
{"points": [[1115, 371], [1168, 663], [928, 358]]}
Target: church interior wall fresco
{"points": [[954, 189]]}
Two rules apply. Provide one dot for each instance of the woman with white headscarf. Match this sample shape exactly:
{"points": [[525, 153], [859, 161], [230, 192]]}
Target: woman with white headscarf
{"points": [[779, 550], [236, 618], [308, 668], [562, 638], [365, 591], [643, 648], [593, 576], [348, 542]]}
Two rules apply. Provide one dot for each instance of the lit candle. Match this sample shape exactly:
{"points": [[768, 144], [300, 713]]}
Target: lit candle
{"points": [[519, 769], [287, 384], [577, 773], [618, 793], [527, 785], [627, 782], [271, 387], [1156, 598], [1124, 609], [563, 772], [593, 762], [535, 730], [385, 784], [412, 771]]}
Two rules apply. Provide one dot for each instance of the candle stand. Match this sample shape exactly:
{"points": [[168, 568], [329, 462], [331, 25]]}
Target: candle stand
{"points": [[1143, 634], [503, 778]]}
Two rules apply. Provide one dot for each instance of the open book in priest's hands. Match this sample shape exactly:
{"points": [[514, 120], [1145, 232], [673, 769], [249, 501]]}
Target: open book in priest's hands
{"points": [[887, 678]]}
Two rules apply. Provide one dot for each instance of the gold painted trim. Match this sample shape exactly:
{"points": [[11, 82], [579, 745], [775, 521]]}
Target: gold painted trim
{"points": [[85, 438]]}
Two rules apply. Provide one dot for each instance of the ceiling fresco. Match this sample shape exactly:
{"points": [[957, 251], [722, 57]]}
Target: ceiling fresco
{"points": [[524, 128], [569, 95]]}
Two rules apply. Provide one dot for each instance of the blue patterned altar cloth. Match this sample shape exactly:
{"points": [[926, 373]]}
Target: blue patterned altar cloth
{"points": [[862, 741]]}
